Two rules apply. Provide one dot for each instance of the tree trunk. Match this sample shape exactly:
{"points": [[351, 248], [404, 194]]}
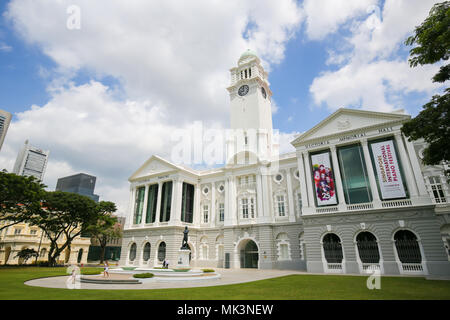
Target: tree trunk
{"points": [[102, 253]]}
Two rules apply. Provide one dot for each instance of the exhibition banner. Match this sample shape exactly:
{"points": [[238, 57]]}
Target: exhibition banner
{"points": [[323, 179], [388, 170]]}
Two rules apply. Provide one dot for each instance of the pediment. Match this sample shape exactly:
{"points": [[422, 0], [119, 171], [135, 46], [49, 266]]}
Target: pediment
{"points": [[344, 120], [153, 166]]}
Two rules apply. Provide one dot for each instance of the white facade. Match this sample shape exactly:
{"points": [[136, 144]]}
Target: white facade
{"points": [[266, 213], [31, 161]]}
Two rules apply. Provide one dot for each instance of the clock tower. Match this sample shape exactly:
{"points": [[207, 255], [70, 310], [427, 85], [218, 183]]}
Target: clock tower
{"points": [[251, 112]]}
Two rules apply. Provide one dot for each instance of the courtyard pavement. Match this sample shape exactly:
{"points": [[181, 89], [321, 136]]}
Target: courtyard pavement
{"points": [[227, 276]]}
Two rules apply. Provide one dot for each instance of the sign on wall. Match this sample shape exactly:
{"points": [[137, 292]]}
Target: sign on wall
{"points": [[388, 171], [324, 186]]}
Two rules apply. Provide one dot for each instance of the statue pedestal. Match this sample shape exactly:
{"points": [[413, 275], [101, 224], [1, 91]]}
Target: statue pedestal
{"points": [[183, 259]]}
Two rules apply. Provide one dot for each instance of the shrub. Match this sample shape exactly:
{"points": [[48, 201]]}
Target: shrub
{"points": [[143, 275], [208, 270], [129, 268], [90, 271], [181, 270]]}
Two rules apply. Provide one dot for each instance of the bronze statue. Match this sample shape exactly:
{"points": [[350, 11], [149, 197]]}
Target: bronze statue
{"points": [[184, 244]]}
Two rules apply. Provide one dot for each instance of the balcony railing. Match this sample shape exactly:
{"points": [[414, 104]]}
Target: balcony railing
{"points": [[334, 267], [396, 203], [364, 206], [360, 206], [412, 267]]}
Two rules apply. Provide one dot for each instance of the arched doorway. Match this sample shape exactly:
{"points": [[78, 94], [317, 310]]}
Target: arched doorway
{"points": [[407, 246], [368, 252], [368, 248], [146, 252], [249, 255], [132, 255], [162, 251], [332, 250], [80, 255]]}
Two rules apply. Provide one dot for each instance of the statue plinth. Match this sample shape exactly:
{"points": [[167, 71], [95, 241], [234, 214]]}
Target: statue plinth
{"points": [[183, 259]]}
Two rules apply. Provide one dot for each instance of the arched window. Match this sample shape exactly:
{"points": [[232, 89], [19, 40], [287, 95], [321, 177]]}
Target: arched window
{"points": [[162, 251], [146, 252], [133, 252], [332, 248], [407, 246], [368, 247]]}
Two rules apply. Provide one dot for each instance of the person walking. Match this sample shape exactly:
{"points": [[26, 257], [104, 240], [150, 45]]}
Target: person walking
{"points": [[106, 269]]}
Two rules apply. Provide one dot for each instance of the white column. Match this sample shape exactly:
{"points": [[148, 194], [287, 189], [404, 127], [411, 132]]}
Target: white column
{"points": [[232, 186], [227, 203], [212, 212], [311, 190], [197, 209], [175, 207], [259, 196], [290, 195], [129, 223], [266, 197], [144, 209], [372, 180], [302, 178], [158, 204], [416, 169], [410, 182], [338, 179]]}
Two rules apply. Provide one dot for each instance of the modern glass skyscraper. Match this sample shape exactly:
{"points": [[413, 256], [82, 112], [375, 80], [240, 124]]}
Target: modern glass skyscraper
{"points": [[80, 183], [31, 161], [5, 119]]}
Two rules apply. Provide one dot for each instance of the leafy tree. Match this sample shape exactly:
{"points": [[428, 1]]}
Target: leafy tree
{"points": [[106, 228], [26, 254], [20, 198], [432, 124], [63, 217]]}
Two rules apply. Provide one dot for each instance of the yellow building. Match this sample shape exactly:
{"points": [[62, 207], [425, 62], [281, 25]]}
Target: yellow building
{"points": [[23, 236]]}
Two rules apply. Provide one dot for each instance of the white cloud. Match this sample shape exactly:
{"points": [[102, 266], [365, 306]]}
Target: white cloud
{"points": [[171, 52], [324, 17], [86, 130], [5, 47], [170, 59], [373, 72]]}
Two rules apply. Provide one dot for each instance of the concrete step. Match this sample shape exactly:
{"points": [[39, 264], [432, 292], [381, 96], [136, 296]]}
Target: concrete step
{"points": [[109, 281]]}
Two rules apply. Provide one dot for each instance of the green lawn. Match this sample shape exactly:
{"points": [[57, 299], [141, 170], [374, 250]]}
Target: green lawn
{"points": [[283, 288]]}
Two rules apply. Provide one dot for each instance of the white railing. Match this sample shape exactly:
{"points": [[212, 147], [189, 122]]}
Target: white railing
{"points": [[334, 267], [327, 210], [360, 206], [368, 267], [412, 267], [396, 203]]}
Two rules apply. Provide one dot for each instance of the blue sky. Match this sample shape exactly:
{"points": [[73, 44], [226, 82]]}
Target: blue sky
{"points": [[107, 95]]}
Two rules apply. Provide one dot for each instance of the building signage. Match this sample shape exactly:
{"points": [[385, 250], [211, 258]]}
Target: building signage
{"points": [[324, 186], [352, 136], [388, 171], [388, 129], [317, 144]]}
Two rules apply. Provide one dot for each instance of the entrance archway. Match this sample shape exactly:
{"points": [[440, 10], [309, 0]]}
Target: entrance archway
{"points": [[80, 255], [249, 255]]}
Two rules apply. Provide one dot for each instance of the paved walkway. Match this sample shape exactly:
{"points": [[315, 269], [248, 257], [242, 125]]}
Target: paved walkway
{"points": [[227, 276]]}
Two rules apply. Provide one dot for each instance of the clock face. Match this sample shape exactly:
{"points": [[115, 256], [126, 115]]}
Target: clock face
{"points": [[243, 90], [263, 91]]}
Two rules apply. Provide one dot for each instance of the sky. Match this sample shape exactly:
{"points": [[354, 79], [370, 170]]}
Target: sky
{"points": [[104, 84]]}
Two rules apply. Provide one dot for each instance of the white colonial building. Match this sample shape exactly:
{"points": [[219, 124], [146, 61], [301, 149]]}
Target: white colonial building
{"points": [[352, 197]]}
